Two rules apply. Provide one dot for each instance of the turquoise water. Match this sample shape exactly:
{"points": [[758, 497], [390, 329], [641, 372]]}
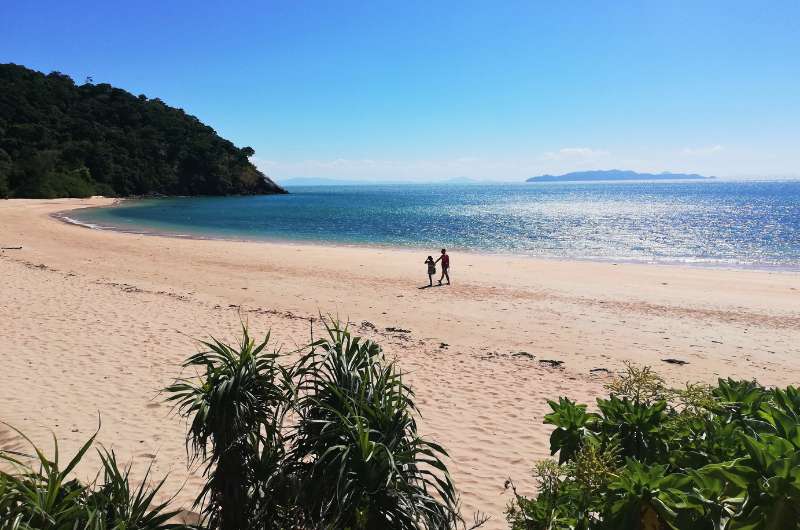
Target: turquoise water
{"points": [[716, 223]]}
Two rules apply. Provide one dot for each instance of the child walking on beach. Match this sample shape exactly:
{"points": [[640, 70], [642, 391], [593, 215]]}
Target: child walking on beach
{"points": [[431, 270]]}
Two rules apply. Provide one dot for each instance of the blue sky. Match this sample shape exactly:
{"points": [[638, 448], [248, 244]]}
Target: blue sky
{"points": [[430, 90]]}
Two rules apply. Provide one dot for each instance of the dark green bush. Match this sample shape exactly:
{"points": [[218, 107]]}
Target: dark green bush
{"points": [[43, 497], [327, 442], [721, 458], [355, 446]]}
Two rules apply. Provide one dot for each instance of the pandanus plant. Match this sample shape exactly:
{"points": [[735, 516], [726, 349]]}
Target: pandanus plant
{"points": [[235, 409], [44, 496], [362, 463], [330, 441]]}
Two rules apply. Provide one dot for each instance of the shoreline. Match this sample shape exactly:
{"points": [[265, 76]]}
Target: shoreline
{"points": [[97, 321], [689, 262]]}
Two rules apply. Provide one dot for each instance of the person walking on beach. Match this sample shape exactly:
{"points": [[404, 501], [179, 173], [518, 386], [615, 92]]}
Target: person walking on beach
{"points": [[431, 270], [445, 266]]}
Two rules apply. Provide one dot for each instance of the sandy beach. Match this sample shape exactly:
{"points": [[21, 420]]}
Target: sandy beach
{"points": [[96, 322]]}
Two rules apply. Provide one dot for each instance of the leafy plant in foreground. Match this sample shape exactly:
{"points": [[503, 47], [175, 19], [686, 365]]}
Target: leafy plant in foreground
{"points": [[356, 448], [716, 458], [572, 423], [45, 498], [329, 441], [636, 426], [643, 497], [236, 412]]}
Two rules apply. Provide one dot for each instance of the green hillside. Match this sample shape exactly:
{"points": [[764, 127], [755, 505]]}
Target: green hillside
{"points": [[59, 139]]}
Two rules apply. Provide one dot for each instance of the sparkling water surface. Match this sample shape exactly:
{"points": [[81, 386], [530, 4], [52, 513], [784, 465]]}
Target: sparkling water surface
{"points": [[755, 224]]}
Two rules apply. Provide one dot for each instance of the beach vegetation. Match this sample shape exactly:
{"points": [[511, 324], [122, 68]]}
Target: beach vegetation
{"points": [[235, 411], [320, 438], [355, 446], [725, 457], [327, 441], [38, 493]]}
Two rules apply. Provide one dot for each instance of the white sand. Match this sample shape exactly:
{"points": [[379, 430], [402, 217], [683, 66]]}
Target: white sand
{"points": [[97, 322]]}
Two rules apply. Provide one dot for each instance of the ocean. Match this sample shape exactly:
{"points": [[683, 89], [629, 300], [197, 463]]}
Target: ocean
{"points": [[752, 224]]}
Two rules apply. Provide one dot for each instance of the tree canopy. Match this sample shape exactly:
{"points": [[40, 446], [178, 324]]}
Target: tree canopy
{"points": [[59, 139]]}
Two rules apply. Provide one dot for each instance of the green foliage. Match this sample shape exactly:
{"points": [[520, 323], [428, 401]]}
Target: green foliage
{"points": [[58, 139], [329, 441], [643, 496], [45, 498], [595, 465], [236, 411], [546, 511], [572, 422], [356, 447], [723, 458], [641, 385], [5, 169], [637, 427]]}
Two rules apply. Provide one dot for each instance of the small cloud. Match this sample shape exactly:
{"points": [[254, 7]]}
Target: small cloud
{"points": [[574, 153], [702, 151]]}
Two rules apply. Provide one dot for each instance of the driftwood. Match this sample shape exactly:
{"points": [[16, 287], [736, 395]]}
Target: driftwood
{"points": [[10, 248]]}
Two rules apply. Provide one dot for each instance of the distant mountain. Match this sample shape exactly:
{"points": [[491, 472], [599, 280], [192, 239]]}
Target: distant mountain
{"points": [[461, 180], [315, 181], [321, 181], [59, 139], [615, 174]]}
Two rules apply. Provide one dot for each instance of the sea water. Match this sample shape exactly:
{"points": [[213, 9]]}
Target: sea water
{"points": [[718, 223]]}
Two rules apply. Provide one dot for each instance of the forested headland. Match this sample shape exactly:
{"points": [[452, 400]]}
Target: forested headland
{"points": [[59, 139]]}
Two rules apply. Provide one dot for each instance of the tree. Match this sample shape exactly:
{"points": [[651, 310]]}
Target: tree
{"points": [[5, 169], [129, 145], [236, 411], [360, 461]]}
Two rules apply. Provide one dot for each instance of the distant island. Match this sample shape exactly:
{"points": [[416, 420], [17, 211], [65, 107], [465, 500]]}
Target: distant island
{"points": [[322, 181], [318, 181], [615, 174], [59, 139]]}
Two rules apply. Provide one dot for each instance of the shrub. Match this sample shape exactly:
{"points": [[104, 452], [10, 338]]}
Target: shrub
{"points": [[724, 458], [356, 448], [236, 413], [45, 498], [329, 441]]}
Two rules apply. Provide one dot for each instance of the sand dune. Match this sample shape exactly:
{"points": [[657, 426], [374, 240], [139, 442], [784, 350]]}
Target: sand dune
{"points": [[95, 322]]}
